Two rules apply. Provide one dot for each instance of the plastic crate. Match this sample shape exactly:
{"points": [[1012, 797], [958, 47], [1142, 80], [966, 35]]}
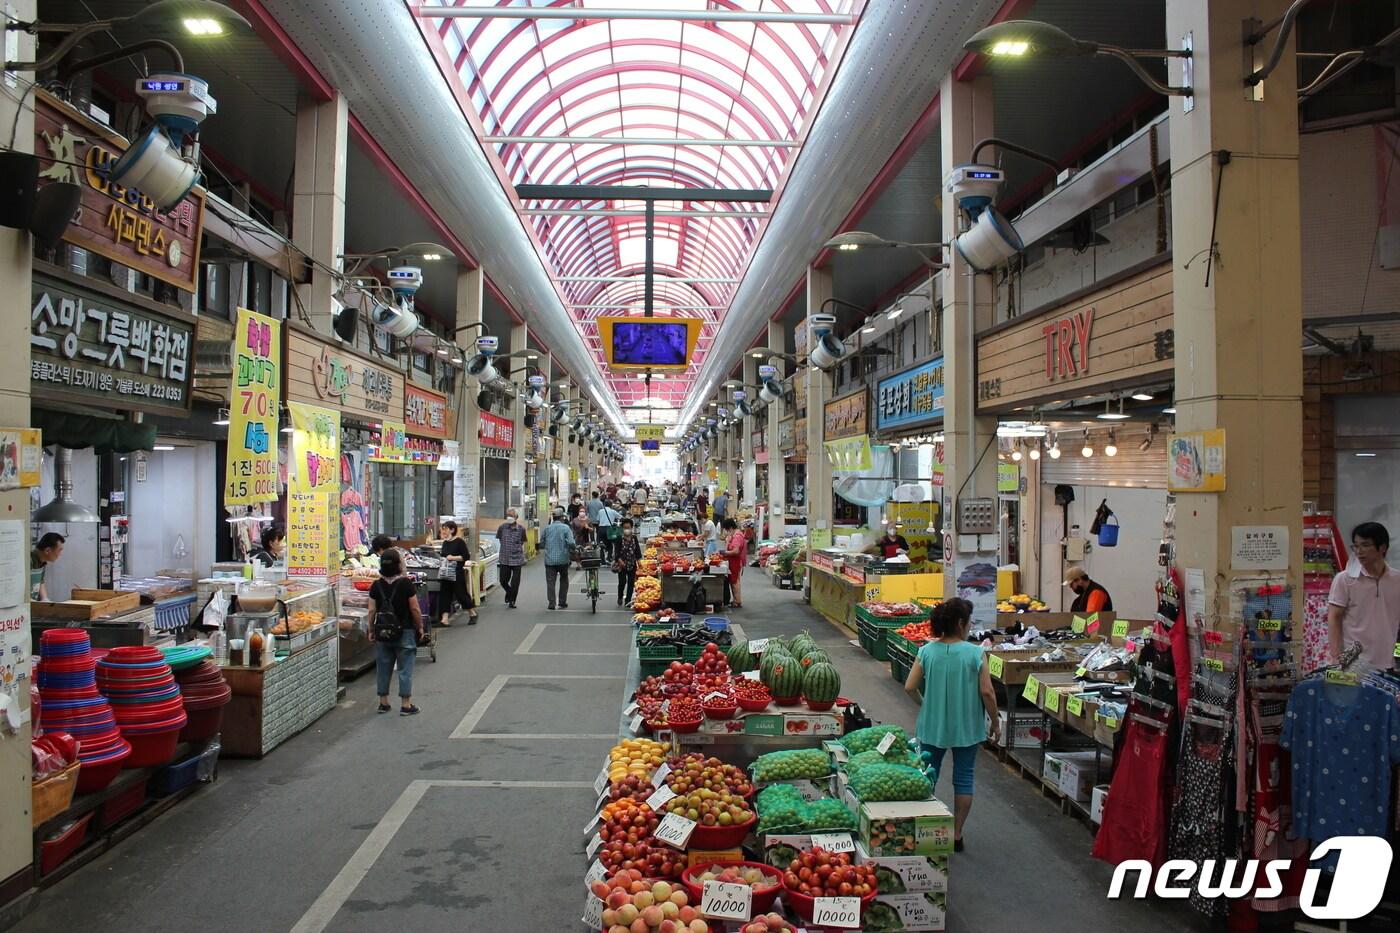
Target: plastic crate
{"points": [[655, 668], [872, 639], [176, 777], [122, 804], [691, 653], [864, 615], [901, 662], [667, 653]]}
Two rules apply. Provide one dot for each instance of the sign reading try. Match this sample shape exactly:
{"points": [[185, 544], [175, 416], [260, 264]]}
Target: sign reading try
{"points": [[86, 345]]}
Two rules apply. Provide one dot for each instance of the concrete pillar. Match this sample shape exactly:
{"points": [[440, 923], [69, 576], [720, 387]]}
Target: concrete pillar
{"points": [[519, 340], [318, 200], [777, 479], [469, 293], [16, 270], [818, 392], [970, 461], [748, 467], [1237, 361]]}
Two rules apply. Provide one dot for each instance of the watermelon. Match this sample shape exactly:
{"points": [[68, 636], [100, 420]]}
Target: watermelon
{"points": [[786, 679], [802, 644], [739, 658], [772, 659], [815, 656], [821, 683]]}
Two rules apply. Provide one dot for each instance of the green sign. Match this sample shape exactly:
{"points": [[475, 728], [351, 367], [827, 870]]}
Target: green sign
{"points": [[1008, 477], [1032, 690], [1075, 705], [995, 665], [1120, 628], [1077, 624], [1052, 699]]}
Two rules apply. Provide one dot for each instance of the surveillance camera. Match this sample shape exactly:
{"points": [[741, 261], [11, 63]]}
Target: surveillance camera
{"points": [[157, 164], [744, 408], [819, 325], [487, 345], [534, 401], [974, 185], [991, 241], [394, 320], [405, 281], [771, 391], [827, 352]]}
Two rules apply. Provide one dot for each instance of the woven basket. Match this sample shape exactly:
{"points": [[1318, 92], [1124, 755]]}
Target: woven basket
{"points": [[54, 794]]}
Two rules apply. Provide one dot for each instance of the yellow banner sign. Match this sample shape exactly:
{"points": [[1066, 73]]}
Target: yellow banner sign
{"points": [[393, 444], [315, 448], [651, 432], [308, 542], [252, 429], [849, 453]]}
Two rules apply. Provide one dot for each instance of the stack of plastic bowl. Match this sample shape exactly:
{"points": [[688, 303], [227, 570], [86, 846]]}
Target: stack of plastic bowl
{"points": [[205, 691], [71, 703], [146, 701]]}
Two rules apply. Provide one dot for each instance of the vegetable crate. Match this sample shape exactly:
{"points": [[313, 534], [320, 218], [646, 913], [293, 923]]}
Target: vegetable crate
{"points": [[691, 653], [901, 656], [873, 638], [654, 668], [865, 615]]}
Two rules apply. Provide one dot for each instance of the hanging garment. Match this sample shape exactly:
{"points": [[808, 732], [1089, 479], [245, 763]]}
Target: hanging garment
{"points": [[1316, 650], [1135, 813], [1202, 819], [352, 520]]}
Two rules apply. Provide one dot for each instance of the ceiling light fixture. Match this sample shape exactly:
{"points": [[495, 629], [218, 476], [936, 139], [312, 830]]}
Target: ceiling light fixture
{"points": [[1110, 449], [1169, 411], [1035, 453], [1087, 450], [1016, 455], [223, 418], [163, 447], [1109, 415], [1141, 396]]}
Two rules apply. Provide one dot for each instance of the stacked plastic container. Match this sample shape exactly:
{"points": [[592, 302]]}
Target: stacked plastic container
{"points": [[72, 703], [146, 701]]}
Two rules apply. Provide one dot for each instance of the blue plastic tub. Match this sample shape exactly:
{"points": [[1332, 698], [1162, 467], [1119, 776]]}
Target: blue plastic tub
{"points": [[717, 623]]}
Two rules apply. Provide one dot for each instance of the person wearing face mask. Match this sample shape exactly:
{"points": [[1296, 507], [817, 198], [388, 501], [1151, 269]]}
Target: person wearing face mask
{"points": [[575, 506], [1088, 595], [629, 551], [510, 537]]}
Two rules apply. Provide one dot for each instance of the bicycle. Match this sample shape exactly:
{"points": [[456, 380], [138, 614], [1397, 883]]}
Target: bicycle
{"points": [[590, 559]]}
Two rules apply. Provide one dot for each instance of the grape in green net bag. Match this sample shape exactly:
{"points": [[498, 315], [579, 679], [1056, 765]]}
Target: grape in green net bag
{"points": [[863, 740], [874, 783], [897, 755], [827, 814], [792, 764], [779, 795]]}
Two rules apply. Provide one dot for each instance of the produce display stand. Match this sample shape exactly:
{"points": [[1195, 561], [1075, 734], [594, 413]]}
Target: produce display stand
{"points": [[95, 822], [271, 704]]}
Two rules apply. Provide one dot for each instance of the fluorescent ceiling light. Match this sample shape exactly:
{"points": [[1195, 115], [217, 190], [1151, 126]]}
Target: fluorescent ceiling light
{"points": [[203, 26], [1142, 396], [163, 447], [1169, 411], [1007, 47], [1361, 454]]}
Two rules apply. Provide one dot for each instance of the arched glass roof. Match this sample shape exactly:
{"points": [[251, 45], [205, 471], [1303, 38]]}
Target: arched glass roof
{"points": [[660, 102]]}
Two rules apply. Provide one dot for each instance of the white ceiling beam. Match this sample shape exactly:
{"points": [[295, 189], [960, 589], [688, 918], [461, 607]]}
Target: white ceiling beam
{"points": [[638, 304], [638, 277], [621, 212], [641, 141], [691, 16]]}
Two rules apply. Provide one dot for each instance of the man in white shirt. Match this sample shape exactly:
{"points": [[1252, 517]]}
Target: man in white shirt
{"points": [[1364, 605]]}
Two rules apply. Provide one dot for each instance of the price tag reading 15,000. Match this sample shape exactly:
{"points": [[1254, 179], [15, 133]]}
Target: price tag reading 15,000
{"points": [[720, 901], [841, 912], [833, 842]]}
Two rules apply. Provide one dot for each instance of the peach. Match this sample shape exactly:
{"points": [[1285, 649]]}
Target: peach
{"points": [[699, 926], [618, 898], [609, 917], [661, 890], [687, 914], [679, 898], [667, 926], [601, 889], [640, 926], [636, 887], [618, 928], [627, 913], [643, 899], [652, 916], [669, 910]]}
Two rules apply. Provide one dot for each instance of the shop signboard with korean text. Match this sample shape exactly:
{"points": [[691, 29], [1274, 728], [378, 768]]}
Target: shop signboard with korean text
{"points": [[650, 432], [315, 449], [119, 223], [308, 543], [392, 446], [850, 454], [495, 431], [251, 467], [334, 377], [1118, 335], [910, 398], [89, 346], [845, 416], [426, 412]]}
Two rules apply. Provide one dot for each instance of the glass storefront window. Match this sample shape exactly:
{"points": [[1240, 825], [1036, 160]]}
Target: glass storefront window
{"points": [[405, 499]]}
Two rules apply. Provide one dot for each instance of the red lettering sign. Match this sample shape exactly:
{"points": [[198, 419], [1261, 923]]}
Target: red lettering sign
{"points": [[1067, 345], [495, 431]]}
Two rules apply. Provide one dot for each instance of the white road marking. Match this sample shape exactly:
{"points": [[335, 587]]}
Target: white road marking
{"points": [[319, 916], [527, 645], [493, 689]]}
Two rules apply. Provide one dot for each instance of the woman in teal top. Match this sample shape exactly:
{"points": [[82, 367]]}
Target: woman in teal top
{"points": [[951, 674]]}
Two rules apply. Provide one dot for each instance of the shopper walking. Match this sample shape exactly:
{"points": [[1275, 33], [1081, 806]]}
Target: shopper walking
{"points": [[952, 676], [702, 505], [609, 527], [710, 533], [575, 506], [720, 509], [595, 505], [397, 623], [1364, 604], [510, 559], [736, 548], [629, 551], [452, 575], [557, 542]]}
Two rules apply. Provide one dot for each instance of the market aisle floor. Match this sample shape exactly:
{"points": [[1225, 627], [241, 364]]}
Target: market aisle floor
{"points": [[469, 816]]}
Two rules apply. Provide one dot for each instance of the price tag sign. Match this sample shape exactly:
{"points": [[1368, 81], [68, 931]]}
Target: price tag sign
{"points": [[600, 783], [757, 645], [1342, 677], [1215, 664], [631, 708], [1080, 671], [1032, 689], [636, 724], [596, 872], [588, 827], [995, 665], [834, 842], [593, 845], [721, 901], [885, 743], [1052, 699], [660, 774], [1212, 638], [1397, 649], [660, 797], [592, 912], [1075, 705], [840, 912], [603, 795], [751, 675], [674, 830], [1091, 624], [1077, 624], [1269, 625], [1120, 628]]}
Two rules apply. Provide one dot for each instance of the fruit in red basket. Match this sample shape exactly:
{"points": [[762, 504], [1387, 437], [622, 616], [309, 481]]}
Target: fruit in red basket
{"points": [[819, 873]]}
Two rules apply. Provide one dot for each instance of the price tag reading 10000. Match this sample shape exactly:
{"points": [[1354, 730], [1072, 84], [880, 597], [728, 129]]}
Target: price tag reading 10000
{"points": [[674, 830], [841, 912]]}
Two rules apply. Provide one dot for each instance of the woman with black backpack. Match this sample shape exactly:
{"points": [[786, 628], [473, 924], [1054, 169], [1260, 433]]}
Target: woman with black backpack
{"points": [[396, 623]]}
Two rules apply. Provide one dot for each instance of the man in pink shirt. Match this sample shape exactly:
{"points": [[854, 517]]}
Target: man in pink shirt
{"points": [[1364, 605]]}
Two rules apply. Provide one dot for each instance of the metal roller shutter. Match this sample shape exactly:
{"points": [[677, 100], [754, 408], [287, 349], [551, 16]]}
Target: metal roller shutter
{"points": [[1130, 467]]}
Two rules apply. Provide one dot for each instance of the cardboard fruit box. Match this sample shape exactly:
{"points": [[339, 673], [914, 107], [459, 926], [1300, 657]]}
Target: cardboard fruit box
{"points": [[907, 874], [923, 827], [916, 913]]}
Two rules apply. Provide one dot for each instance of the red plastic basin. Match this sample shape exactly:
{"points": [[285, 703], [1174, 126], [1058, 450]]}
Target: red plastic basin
{"points": [[153, 749], [803, 905], [720, 837], [763, 896], [94, 777], [203, 724]]}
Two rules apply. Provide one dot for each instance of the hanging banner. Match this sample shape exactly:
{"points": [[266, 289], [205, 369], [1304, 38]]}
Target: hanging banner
{"points": [[315, 449], [393, 444], [1008, 477], [849, 453], [308, 544], [495, 431], [1196, 461], [252, 429]]}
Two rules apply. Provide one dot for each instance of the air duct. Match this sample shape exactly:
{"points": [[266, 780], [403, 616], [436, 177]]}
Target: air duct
{"points": [[63, 510]]}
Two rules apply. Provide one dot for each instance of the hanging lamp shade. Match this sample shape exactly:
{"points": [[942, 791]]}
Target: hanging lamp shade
{"points": [[63, 510]]}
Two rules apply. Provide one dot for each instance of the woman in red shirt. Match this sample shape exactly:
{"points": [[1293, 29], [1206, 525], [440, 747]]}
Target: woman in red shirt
{"points": [[736, 548]]}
